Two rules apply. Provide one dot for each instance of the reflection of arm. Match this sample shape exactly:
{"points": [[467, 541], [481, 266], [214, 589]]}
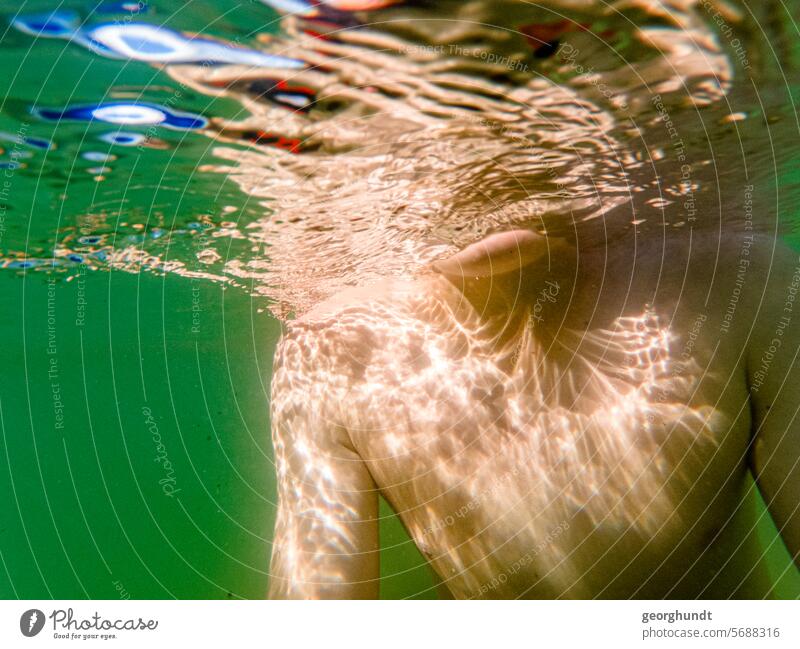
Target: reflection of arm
{"points": [[326, 532], [774, 378]]}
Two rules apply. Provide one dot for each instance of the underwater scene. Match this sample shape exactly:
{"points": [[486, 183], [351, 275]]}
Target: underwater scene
{"points": [[505, 266]]}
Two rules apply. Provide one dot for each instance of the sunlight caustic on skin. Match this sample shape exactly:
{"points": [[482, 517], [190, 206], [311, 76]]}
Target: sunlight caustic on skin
{"points": [[439, 401]]}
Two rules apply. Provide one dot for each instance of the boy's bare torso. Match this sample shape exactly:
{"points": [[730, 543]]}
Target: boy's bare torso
{"points": [[582, 431]]}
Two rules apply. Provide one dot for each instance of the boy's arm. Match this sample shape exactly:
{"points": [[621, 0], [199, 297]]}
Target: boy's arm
{"points": [[326, 533]]}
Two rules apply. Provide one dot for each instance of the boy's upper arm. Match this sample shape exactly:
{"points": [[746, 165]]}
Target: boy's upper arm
{"points": [[326, 533], [773, 364]]}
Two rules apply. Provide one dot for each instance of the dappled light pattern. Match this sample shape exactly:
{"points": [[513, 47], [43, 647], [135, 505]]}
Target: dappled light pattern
{"points": [[490, 432]]}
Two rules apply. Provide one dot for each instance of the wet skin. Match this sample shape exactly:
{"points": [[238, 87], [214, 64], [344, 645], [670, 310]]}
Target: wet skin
{"points": [[584, 424]]}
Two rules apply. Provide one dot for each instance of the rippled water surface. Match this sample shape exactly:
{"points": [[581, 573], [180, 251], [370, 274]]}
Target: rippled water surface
{"points": [[180, 178]]}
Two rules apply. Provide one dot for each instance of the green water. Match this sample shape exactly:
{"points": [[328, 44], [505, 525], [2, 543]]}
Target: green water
{"points": [[100, 370], [85, 514], [136, 459]]}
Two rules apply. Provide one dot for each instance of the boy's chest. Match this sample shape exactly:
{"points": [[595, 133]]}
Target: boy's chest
{"points": [[620, 436]]}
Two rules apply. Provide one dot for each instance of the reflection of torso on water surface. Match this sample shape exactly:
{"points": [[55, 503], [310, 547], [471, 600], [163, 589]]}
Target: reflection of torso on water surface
{"points": [[417, 139]]}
